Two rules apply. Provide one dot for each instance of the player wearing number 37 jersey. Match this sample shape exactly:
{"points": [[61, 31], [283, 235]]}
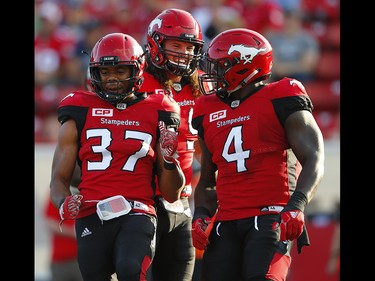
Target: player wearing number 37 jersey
{"points": [[267, 150], [122, 140], [118, 147]]}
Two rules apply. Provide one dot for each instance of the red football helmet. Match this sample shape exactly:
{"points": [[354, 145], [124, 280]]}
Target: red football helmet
{"points": [[116, 49], [234, 59], [177, 25]]}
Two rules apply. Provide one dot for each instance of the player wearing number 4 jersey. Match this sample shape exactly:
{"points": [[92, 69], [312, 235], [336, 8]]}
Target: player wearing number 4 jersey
{"points": [[268, 152], [122, 140]]}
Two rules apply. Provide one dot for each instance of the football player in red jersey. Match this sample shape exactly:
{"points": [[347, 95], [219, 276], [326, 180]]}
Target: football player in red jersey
{"points": [[174, 44], [268, 152], [122, 139]]}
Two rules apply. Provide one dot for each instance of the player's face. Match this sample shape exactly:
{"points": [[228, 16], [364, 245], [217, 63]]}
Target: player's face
{"points": [[114, 78], [179, 52]]}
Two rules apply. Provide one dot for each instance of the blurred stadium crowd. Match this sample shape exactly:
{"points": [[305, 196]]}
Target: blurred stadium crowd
{"points": [[65, 28]]}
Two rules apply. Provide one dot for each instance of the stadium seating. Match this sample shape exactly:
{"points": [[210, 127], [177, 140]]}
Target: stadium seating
{"points": [[321, 9], [329, 66], [328, 122], [327, 33], [325, 94], [310, 265]]}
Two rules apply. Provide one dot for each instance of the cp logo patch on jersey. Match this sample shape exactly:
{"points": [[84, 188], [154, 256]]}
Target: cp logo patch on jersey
{"points": [[218, 115], [108, 112]]}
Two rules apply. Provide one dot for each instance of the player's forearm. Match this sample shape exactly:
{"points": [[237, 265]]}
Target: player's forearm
{"points": [[205, 196], [58, 191], [171, 183], [310, 178]]}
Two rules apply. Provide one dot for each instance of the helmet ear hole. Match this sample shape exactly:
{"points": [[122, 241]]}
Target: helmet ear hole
{"points": [[160, 58], [139, 82], [157, 38]]}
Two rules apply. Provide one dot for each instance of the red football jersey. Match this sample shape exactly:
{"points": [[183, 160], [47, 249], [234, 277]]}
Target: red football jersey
{"points": [[247, 140], [187, 134], [117, 146]]}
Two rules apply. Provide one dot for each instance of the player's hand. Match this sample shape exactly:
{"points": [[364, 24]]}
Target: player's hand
{"points": [[199, 234], [168, 143], [291, 224], [69, 209]]}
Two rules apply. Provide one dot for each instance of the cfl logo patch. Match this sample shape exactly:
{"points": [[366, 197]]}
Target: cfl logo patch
{"points": [[108, 112], [159, 91], [218, 115]]}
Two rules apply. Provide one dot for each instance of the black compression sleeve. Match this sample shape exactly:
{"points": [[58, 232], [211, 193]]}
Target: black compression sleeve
{"points": [[201, 212], [298, 200]]}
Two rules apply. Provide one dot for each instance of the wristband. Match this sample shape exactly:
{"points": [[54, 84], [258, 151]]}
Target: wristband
{"points": [[298, 200], [169, 165], [201, 212]]}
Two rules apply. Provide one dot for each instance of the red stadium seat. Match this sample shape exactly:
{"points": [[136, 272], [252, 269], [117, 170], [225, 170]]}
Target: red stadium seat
{"points": [[325, 95], [328, 122], [332, 38], [327, 33], [46, 99], [329, 66], [310, 265]]}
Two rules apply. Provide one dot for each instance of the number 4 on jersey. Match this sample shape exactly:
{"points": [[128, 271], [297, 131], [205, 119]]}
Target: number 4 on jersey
{"points": [[239, 155]]}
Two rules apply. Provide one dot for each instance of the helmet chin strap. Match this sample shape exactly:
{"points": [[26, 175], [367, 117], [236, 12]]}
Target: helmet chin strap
{"points": [[244, 81], [115, 96]]}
